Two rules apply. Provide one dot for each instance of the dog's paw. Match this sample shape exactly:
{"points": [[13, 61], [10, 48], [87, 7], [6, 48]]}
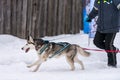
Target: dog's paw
{"points": [[35, 70], [82, 68], [72, 69]]}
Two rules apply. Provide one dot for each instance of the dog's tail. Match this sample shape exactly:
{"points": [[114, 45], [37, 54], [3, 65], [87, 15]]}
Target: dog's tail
{"points": [[82, 52]]}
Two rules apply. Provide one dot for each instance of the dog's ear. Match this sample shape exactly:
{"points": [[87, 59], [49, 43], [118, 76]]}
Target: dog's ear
{"points": [[31, 39], [27, 38]]}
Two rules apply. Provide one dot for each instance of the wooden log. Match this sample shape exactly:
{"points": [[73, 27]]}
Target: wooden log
{"points": [[13, 17], [29, 18], [39, 18], [41, 25], [19, 17], [45, 22], [24, 18], [50, 17], [6, 13], [1, 17], [34, 16], [56, 5], [68, 16]]}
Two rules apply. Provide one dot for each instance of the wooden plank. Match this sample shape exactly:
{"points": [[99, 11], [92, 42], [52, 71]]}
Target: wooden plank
{"points": [[73, 16], [39, 12], [5, 15], [76, 26], [34, 16], [36, 30], [78, 16], [19, 17], [50, 18], [42, 15], [56, 4], [24, 18], [59, 17], [1, 16], [8, 6], [68, 16], [45, 26], [63, 20], [13, 17], [29, 18]]}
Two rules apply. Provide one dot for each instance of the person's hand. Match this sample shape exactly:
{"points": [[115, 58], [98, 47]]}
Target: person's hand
{"points": [[118, 6], [88, 19]]}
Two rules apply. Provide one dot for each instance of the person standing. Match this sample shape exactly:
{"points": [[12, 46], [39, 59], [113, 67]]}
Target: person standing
{"points": [[108, 24]]}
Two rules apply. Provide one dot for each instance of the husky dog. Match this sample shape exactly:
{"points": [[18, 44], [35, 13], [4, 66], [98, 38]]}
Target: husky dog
{"points": [[46, 50]]}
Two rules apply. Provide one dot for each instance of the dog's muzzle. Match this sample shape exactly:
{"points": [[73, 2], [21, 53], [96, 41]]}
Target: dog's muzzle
{"points": [[26, 49]]}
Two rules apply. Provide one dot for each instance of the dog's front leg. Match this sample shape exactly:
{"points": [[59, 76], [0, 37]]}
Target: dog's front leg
{"points": [[38, 64], [37, 67], [35, 63]]}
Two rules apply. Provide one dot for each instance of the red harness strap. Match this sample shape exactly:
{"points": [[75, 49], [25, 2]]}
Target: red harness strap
{"points": [[102, 50]]}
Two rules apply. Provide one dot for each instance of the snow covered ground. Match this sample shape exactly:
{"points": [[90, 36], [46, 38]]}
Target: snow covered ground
{"points": [[13, 61]]}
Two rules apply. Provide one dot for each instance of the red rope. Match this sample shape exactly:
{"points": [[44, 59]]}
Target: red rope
{"points": [[102, 50]]}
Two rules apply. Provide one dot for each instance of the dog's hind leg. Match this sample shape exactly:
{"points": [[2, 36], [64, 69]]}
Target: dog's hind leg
{"points": [[79, 62], [70, 62]]}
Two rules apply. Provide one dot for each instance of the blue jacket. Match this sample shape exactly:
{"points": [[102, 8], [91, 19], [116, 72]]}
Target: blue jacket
{"points": [[108, 15]]}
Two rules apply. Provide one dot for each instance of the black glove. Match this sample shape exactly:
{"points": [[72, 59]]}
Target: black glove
{"points": [[88, 19]]}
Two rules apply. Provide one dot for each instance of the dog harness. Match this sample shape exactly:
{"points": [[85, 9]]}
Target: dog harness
{"points": [[43, 49], [64, 46]]}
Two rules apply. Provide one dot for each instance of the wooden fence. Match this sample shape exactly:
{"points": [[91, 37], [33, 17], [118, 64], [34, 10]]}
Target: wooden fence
{"points": [[40, 17]]}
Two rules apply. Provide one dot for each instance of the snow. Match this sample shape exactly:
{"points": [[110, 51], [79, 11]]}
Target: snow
{"points": [[13, 61]]}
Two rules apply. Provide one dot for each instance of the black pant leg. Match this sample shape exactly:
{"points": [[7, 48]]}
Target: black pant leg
{"points": [[99, 40], [105, 41], [109, 41]]}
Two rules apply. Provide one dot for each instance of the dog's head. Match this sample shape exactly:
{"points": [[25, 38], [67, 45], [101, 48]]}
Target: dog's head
{"points": [[33, 44], [29, 45]]}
